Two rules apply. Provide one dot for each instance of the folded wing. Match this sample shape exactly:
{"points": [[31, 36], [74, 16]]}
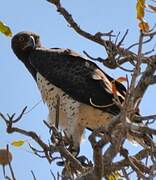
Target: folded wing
{"points": [[80, 78]]}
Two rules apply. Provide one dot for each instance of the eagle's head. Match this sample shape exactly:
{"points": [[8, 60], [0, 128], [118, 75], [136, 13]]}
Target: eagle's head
{"points": [[23, 43]]}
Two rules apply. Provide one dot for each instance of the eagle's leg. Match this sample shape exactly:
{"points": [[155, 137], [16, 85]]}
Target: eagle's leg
{"points": [[69, 121], [74, 132], [74, 128]]}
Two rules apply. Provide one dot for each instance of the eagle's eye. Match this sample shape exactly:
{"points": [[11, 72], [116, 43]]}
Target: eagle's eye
{"points": [[21, 38]]}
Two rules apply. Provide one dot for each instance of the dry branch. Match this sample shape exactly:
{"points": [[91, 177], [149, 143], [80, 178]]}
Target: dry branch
{"points": [[112, 49], [47, 148]]}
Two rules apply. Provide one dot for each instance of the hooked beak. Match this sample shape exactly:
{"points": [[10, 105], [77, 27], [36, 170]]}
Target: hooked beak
{"points": [[30, 43]]}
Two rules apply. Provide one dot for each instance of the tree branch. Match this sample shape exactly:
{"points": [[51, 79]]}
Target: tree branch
{"points": [[112, 49], [47, 149]]}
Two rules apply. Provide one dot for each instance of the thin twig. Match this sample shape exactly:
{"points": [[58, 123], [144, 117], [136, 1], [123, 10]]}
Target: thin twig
{"points": [[54, 178], [123, 38], [9, 163], [33, 175], [20, 116]]}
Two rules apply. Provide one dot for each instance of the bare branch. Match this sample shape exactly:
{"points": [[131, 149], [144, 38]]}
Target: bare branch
{"points": [[109, 46], [146, 79], [10, 166], [47, 149], [145, 118], [97, 156], [153, 80], [34, 177], [123, 38]]}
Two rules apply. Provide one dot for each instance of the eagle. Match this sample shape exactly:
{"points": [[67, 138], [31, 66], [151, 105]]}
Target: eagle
{"points": [[84, 90]]}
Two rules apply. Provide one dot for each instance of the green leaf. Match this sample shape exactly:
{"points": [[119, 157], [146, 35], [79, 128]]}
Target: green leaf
{"points": [[5, 29], [17, 143]]}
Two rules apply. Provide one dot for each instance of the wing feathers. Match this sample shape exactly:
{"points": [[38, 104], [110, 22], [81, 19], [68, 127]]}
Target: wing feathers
{"points": [[78, 77], [99, 75]]}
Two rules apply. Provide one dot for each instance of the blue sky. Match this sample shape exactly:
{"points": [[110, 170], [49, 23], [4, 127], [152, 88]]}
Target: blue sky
{"points": [[18, 89]]}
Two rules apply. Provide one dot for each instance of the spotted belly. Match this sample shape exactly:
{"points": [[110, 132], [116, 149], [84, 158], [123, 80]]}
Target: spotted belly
{"points": [[50, 94], [74, 116]]}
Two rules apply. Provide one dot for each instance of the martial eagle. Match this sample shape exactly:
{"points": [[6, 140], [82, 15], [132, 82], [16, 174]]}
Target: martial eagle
{"points": [[84, 90]]}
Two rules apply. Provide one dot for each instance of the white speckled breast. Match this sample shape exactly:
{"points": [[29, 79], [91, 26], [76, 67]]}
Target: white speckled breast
{"points": [[50, 94], [74, 116]]}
